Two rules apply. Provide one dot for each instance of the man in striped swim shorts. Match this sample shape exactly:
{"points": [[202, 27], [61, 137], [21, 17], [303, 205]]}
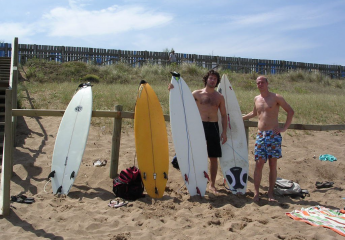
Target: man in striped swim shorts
{"points": [[268, 140]]}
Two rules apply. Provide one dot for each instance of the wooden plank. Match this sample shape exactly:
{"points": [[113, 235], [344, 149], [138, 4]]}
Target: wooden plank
{"points": [[7, 166], [302, 126], [59, 113], [37, 112]]}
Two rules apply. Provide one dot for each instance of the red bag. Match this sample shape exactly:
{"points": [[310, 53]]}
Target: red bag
{"points": [[128, 185]]}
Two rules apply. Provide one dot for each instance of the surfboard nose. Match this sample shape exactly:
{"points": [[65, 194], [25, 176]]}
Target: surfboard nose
{"points": [[175, 74]]}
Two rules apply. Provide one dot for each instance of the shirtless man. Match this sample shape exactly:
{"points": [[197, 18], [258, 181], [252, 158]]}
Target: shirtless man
{"points": [[209, 101], [268, 139]]}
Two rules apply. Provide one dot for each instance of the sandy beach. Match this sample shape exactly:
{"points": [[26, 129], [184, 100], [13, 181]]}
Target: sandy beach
{"points": [[84, 213]]}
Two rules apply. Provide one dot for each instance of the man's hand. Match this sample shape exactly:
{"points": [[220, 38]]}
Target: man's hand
{"points": [[223, 137], [278, 130], [170, 86]]}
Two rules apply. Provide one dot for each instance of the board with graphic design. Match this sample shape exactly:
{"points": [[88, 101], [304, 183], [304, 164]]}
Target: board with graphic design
{"points": [[234, 160]]}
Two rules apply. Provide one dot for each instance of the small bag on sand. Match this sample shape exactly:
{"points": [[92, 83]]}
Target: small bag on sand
{"points": [[284, 187], [128, 185]]}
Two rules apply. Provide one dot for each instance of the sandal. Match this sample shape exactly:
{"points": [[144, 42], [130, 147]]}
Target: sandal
{"points": [[117, 204], [324, 184], [99, 163], [22, 199]]}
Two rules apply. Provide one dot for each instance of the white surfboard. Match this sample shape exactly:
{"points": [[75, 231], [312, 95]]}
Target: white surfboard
{"points": [[234, 160], [188, 137], [71, 140]]}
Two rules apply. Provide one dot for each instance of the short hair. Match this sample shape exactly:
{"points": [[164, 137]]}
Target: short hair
{"points": [[211, 72], [262, 77]]}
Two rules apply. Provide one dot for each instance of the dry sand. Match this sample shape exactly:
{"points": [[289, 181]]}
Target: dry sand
{"points": [[85, 214]]}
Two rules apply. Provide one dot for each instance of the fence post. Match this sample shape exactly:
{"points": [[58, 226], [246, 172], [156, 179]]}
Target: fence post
{"points": [[7, 164], [115, 143], [14, 82]]}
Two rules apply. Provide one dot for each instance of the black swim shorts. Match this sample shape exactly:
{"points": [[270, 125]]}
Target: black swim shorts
{"points": [[212, 139]]}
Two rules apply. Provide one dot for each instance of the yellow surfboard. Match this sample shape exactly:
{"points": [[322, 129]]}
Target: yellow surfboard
{"points": [[151, 141]]}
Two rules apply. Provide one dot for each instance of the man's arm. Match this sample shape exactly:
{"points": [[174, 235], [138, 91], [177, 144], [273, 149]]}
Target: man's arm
{"points": [[288, 109], [170, 86], [222, 110], [250, 115]]}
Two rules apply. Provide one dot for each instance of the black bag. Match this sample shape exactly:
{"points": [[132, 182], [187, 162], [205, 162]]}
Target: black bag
{"points": [[128, 185], [174, 162]]}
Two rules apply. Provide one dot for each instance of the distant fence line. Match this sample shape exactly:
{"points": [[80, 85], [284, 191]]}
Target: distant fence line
{"points": [[139, 58]]}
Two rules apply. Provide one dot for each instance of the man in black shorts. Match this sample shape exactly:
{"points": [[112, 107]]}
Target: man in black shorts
{"points": [[213, 139], [209, 101]]}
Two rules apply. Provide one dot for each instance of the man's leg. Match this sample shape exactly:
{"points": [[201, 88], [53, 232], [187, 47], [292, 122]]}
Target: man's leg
{"points": [[272, 178], [257, 177], [213, 171]]}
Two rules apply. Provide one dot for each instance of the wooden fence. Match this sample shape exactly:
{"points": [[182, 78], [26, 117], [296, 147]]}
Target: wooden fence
{"points": [[139, 58]]}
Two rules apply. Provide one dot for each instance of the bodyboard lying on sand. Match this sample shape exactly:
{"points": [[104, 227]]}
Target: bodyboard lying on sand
{"points": [[188, 137], [71, 140], [234, 160], [151, 141]]}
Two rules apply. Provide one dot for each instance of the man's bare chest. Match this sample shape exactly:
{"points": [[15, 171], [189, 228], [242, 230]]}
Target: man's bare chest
{"points": [[266, 105], [210, 100]]}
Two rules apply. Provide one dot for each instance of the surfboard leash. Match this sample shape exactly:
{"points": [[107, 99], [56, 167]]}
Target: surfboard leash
{"points": [[44, 188]]}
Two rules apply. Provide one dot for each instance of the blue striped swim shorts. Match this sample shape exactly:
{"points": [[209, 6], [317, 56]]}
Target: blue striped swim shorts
{"points": [[268, 145]]}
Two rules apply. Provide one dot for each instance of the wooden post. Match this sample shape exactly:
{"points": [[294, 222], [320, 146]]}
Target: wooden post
{"points": [[7, 158], [115, 146], [14, 82]]}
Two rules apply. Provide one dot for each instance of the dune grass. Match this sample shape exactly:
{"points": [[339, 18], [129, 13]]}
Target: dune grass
{"points": [[316, 99]]}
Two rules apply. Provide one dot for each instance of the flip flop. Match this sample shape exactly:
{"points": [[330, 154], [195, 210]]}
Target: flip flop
{"points": [[324, 184], [117, 204], [99, 163], [113, 202], [22, 199]]}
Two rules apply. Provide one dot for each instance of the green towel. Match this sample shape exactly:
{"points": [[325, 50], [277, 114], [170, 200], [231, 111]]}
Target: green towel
{"points": [[327, 157]]}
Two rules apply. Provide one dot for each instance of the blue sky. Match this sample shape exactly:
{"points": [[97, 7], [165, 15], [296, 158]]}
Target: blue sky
{"points": [[295, 30]]}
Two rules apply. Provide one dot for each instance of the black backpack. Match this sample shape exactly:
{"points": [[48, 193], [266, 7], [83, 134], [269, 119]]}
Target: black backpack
{"points": [[128, 185]]}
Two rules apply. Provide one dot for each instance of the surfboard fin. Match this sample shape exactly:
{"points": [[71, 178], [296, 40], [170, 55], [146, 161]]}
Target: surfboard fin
{"points": [[206, 176], [142, 82], [175, 74], [52, 174], [144, 176], [72, 175], [59, 189], [186, 178], [198, 191], [156, 190], [165, 175]]}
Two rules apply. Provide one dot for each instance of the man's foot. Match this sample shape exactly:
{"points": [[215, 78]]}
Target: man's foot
{"points": [[256, 198], [213, 190], [271, 198]]}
